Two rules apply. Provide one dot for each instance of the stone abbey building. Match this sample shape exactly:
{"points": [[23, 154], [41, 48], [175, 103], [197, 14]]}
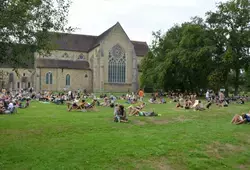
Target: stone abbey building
{"points": [[108, 62]]}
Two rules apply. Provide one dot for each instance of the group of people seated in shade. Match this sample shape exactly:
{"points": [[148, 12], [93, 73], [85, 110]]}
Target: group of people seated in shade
{"points": [[9, 102], [196, 105], [222, 101]]}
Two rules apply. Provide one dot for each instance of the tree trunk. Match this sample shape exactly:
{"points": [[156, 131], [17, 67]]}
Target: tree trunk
{"points": [[226, 83], [236, 82]]}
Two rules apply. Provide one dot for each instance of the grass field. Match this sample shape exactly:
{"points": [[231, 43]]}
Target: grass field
{"points": [[46, 136]]}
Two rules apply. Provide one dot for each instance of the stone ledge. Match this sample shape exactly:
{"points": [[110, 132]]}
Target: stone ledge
{"points": [[117, 84]]}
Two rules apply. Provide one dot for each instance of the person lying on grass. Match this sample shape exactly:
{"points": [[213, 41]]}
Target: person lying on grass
{"points": [[120, 114], [133, 108], [138, 112], [241, 119]]}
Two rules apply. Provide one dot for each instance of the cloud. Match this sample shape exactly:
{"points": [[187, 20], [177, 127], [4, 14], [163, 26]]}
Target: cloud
{"points": [[138, 17]]}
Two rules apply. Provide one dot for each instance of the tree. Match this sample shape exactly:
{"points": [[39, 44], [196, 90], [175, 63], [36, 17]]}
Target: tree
{"points": [[181, 58], [25, 28], [230, 23]]}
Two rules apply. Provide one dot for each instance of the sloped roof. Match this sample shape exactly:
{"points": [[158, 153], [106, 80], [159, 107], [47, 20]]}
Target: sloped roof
{"points": [[85, 43], [68, 64], [74, 42], [141, 48]]}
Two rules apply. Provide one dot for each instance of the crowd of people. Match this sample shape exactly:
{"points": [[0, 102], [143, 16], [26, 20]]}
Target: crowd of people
{"points": [[10, 102], [77, 101]]}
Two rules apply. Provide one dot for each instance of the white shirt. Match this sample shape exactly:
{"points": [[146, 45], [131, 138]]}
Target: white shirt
{"points": [[10, 106], [207, 95], [69, 93]]}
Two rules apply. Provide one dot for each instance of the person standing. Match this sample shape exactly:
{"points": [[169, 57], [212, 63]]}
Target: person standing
{"points": [[208, 95], [141, 95], [221, 97]]}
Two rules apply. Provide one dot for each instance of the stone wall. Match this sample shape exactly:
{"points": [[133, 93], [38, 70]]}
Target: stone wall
{"points": [[118, 87], [79, 79], [24, 79], [118, 36]]}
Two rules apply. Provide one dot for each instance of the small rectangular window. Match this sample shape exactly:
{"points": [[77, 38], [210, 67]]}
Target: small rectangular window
{"points": [[28, 84], [18, 85]]}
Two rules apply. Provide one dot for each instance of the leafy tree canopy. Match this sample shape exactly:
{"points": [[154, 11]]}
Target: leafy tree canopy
{"points": [[25, 27], [202, 54]]}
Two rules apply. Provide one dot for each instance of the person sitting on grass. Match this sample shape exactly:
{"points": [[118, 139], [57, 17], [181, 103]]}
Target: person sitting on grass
{"points": [[198, 106], [241, 119], [92, 105], [241, 101], [27, 104], [120, 115], [116, 107], [59, 100], [209, 104], [106, 102], [2, 108], [75, 106], [82, 105], [178, 105], [10, 108], [188, 104], [223, 104], [162, 100]]}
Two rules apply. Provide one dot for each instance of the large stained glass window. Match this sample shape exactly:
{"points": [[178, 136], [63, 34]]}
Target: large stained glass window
{"points": [[117, 65]]}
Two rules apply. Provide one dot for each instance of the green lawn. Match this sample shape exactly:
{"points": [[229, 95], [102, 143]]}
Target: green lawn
{"points": [[46, 136]]}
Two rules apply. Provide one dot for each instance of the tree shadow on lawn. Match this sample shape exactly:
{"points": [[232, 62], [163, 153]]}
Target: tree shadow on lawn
{"points": [[164, 120], [220, 150], [152, 163], [141, 121]]}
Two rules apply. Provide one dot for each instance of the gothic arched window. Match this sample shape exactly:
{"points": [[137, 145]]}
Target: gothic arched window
{"points": [[117, 65], [11, 77], [49, 78], [67, 80]]}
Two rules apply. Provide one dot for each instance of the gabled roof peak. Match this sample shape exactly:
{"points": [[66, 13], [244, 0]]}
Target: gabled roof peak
{"points": [[85, 43]]}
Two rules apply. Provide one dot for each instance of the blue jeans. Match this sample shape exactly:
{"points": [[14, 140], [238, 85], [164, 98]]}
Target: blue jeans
{"points": [[118, 118]]}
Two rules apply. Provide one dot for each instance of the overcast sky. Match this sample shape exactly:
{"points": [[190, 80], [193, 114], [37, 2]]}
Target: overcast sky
{"points": [[137, 17]]}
